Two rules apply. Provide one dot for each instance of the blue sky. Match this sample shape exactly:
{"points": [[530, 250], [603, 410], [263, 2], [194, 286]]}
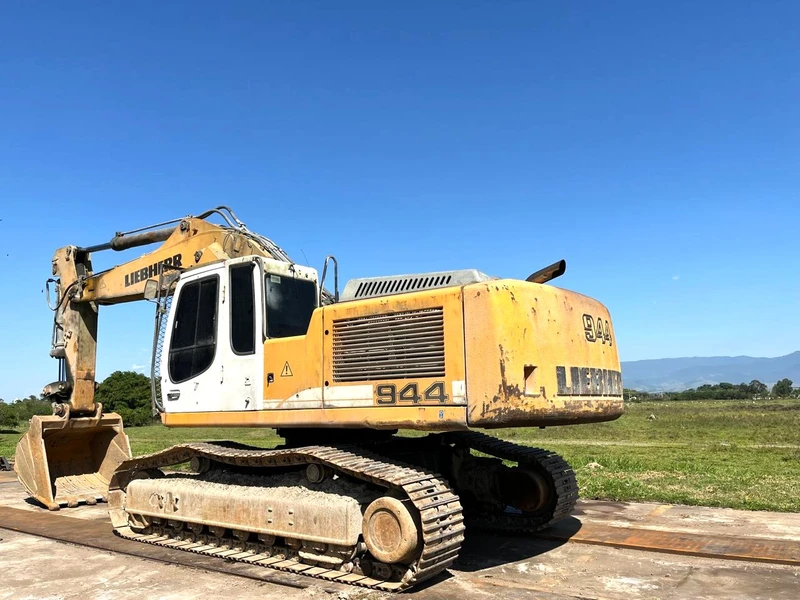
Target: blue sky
{"points": [[654, 146]]}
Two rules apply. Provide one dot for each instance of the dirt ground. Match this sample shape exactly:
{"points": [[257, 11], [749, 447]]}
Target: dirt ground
{"points": [[489, 566], [35, 567]]}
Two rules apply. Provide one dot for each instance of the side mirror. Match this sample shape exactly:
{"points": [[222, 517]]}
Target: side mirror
{"points": [[150, 289]]}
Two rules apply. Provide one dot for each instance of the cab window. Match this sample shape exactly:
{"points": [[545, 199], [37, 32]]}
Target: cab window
{"points": [[290, 304], [194, 330], [243, 321]]}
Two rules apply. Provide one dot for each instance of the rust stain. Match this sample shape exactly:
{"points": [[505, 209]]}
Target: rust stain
{"points": [[505, 391], [573, 411], [502, 367]]}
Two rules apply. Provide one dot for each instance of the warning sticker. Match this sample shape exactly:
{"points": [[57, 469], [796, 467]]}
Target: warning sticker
{"points": [[287, 370]]}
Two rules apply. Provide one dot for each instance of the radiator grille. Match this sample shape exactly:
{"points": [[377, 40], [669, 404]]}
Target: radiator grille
{"points": [[401, 345]]}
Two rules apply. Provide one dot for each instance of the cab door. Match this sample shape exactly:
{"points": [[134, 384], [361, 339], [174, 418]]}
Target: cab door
{"points": [[190, 381], [214, 349], [242, 347]]}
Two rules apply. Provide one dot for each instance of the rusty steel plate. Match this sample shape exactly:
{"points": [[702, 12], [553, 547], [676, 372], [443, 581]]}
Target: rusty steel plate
{"points": [[753, 549]]}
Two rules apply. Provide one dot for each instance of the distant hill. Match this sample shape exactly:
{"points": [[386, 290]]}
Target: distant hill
{"points": [[676, 374]]}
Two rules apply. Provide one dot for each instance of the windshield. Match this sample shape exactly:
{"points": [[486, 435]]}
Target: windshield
{"points": [[290, 303]]}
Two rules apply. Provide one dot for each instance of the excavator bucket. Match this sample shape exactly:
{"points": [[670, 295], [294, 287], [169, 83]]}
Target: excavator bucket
{"points": [[63, 462]]}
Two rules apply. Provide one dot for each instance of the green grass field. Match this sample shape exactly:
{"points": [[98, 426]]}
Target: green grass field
{"points": [[737, 454]]}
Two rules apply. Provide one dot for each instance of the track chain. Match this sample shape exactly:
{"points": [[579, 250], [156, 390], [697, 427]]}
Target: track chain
{"points": [[559, 471], [442, 522]]}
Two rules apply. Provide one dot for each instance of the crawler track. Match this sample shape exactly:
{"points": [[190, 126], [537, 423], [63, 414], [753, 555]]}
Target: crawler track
{"points": [[556, 468], [440, 510]]}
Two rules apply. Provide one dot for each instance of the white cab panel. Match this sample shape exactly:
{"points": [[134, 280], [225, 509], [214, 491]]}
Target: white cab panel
{"points": [[209, 362]]}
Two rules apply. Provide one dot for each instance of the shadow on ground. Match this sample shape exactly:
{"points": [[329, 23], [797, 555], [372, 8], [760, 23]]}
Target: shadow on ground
{"points": [[483, 550]]}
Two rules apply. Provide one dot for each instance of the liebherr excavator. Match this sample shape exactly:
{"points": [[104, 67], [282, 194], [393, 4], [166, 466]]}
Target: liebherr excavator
{"points": [[245, 337]]}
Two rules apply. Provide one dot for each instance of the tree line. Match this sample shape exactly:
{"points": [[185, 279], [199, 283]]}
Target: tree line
{"points": [[754, 390], [21, 410], [124, 392]]}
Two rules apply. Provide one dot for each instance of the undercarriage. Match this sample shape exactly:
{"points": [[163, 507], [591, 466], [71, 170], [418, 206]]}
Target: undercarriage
{"points": [[385, 514]]}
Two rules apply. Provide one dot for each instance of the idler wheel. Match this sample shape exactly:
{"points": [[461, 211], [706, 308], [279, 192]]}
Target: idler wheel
{"points": [[526, 489], [391, 531]]}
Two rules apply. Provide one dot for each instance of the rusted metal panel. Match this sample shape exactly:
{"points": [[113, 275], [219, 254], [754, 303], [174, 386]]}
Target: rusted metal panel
{"points": [[770, 550], [525, 343], [300, 373]]}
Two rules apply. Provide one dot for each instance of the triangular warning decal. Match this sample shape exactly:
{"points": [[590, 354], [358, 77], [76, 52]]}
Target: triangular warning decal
{"points": [[287, 370]]}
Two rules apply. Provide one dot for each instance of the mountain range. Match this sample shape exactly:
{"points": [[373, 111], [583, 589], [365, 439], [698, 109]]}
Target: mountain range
{"points": [[676, 374]]}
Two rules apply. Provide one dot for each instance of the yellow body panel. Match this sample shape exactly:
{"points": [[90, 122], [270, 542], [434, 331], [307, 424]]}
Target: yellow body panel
{"points": [[523, 338], [430, 418], [515, 354], [294, 363]]}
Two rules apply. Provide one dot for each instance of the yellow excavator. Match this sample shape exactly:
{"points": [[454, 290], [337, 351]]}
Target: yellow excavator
{"points": [[245, 337]]}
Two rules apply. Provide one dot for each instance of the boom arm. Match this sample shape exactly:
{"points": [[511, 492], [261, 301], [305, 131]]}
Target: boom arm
{"points": [[192, 243]]}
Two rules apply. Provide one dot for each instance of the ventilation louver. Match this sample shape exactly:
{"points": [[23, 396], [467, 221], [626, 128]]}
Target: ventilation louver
{"points": [[370, 287], [401, 345]]}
